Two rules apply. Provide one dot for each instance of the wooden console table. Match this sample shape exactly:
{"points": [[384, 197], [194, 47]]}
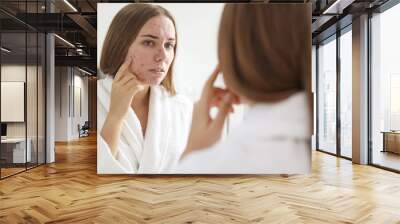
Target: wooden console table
{"points": [[391, 141]]}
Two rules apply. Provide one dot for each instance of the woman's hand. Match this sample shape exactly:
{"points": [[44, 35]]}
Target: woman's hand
{"points": [[206, 131], [124, 87]]}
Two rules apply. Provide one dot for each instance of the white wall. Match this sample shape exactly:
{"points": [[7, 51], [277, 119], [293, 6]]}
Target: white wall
{"points": [[80, 103], [67, 116], [61, 98]]}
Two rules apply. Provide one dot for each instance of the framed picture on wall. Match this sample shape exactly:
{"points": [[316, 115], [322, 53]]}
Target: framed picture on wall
{"points": [[12, 101]]}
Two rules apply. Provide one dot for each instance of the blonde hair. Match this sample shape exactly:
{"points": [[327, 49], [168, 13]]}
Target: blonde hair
{"points": [[123, 31], [264, 50]]}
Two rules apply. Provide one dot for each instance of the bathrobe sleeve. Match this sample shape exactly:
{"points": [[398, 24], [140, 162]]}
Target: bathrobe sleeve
{"points": [[106, 162], [109, 164]]}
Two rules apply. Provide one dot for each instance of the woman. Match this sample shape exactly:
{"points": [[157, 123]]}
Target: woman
{"points": [[144, 124], [264, 54]]}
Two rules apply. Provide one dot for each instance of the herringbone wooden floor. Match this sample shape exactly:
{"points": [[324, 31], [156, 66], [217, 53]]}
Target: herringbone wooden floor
{"points": [[70, 191]]}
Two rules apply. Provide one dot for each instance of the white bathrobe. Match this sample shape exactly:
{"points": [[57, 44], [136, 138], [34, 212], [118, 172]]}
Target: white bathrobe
{"points": [[166, 135], [273, 139]]}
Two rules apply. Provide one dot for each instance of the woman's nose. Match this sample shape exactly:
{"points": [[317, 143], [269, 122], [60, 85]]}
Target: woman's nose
{"points": [[161, 54]]}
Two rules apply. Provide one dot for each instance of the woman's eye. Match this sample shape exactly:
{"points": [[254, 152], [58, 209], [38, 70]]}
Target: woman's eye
{"points": [[169, 45], [148, 43]]}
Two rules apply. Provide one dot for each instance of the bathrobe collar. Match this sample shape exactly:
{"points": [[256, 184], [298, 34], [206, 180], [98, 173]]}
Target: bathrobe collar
{"points": [[285, 118], [151, 147]]}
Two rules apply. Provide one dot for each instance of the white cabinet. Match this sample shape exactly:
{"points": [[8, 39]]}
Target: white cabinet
{"points": [[18, 149]]}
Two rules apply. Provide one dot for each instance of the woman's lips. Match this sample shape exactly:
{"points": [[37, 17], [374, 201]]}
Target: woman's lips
{"points": [[157, 72]]}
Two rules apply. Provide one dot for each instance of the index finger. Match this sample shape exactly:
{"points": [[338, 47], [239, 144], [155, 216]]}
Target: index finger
{"points": [[125, 66], [213, 77]]}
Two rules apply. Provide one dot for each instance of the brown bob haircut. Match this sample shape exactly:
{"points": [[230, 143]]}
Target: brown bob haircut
{"points": [[123, 30], [264, 50]]}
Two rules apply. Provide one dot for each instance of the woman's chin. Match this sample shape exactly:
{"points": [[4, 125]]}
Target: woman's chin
{"points": [[152, 81]]}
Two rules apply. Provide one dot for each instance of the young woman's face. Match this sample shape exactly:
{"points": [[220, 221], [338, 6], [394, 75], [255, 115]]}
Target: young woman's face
{"points": [[153, 50]]}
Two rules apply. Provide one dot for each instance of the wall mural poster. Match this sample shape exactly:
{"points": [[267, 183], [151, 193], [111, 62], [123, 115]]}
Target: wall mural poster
{"points": [[184, 93]]}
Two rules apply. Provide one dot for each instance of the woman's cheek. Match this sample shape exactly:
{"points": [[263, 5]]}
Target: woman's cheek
{"points": [[140, 73], [137, 67]]}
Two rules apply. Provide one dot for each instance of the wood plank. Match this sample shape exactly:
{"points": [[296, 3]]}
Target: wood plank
{"points": [[70, 191]]}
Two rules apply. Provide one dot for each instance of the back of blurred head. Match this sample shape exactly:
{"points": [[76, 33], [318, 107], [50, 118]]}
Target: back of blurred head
{"points": [[264, 50]]}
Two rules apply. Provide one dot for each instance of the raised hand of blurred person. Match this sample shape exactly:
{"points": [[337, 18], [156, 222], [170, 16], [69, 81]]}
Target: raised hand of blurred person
{"points": [[205, 130]]}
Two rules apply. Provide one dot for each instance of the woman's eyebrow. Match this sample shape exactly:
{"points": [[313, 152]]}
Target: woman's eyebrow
{"points": [[155, 37]]}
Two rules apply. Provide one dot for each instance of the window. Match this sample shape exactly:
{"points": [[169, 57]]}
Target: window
{"points": [[346, 92], [326, 100], [385, 88]]}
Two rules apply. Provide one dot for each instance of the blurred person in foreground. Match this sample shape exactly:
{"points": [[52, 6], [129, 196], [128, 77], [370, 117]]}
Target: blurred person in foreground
{"points": [[264, 53]]}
